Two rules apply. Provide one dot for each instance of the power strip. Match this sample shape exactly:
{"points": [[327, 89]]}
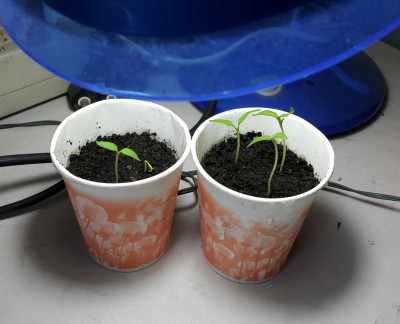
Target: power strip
{"points": [[23, 82]]}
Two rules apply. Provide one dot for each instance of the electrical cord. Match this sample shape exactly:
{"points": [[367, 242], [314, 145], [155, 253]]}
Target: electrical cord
{"points": [[208, 112], [23, 159], [59, 186], [193, 187], [364, 193], [30, 124], [32, 200]]}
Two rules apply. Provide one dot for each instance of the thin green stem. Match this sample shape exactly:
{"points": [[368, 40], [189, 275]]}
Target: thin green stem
{"points": [[273, 168], [116, 166], [237, 146], [283, 156], [284, 147]]}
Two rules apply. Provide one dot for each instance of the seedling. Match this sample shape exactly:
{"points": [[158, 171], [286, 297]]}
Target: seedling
{"points": [[147, 166], [237, 128], [280, 119], [126, 151], [273, 140]]}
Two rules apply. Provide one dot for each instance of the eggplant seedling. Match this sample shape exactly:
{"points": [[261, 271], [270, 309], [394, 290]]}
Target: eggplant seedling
{"points": [[273, 138], [237, 128], [126, 151], [280, 119], [147, 166]]}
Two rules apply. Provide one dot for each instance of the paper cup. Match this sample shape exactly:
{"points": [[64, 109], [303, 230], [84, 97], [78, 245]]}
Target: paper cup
{"points": [[245, 238], [126, 226]]}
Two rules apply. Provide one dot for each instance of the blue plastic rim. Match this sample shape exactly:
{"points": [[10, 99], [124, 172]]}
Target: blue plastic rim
{"points": [[294, 43], [334, 100]]}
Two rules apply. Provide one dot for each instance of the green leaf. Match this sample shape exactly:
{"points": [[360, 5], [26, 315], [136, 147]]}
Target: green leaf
{"points": [[267, 113], [131, 153], [223, 121], [285, 115], [107, 145], [268, 138], [244, 116], [280, 135], [260, 139]]}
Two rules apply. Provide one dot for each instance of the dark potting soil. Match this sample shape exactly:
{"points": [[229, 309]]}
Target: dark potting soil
{"points": [[98, 164], [250, 174]]}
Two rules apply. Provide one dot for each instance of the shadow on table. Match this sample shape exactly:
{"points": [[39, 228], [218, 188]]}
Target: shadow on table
{"points": [[54, 245], [320, 267]]}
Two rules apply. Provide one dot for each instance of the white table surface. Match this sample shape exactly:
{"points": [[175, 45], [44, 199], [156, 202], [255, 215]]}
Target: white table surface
{"points": [[348, 274]]}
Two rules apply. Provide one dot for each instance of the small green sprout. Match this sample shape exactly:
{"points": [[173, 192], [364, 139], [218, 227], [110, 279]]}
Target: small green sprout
{"points": [[237, 128], [280, 119], [126, 151], [147, 166], [273, 140]]}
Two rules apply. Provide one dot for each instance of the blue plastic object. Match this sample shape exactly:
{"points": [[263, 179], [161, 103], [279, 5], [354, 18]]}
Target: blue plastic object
{"points": [[298, 39], [334, 100], [174, 18]]}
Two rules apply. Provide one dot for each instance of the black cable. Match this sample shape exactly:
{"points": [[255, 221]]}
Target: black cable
{"points": [[207, 113], [22, 159], [191, 175], [364, 193], [47, 193], [30, 124], [32, 200]]}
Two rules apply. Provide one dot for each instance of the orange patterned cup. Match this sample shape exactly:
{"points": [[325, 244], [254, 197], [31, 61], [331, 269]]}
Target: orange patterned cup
{"points": [[126, 226], [247, 239]]}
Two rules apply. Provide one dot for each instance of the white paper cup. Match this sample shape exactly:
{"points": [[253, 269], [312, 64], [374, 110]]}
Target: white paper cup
{"points": [[126, 226], [245, 238]]}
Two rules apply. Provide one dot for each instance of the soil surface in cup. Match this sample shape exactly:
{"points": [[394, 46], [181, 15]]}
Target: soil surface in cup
{"points": [[97, 164], [250, 174]]}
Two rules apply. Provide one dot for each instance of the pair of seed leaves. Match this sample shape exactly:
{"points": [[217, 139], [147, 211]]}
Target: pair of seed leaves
{"points": [[126, 151], [280, 135]]}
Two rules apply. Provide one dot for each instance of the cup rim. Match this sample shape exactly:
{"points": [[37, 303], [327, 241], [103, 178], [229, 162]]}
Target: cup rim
{"points": [[239, 195], [65, 173]]}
